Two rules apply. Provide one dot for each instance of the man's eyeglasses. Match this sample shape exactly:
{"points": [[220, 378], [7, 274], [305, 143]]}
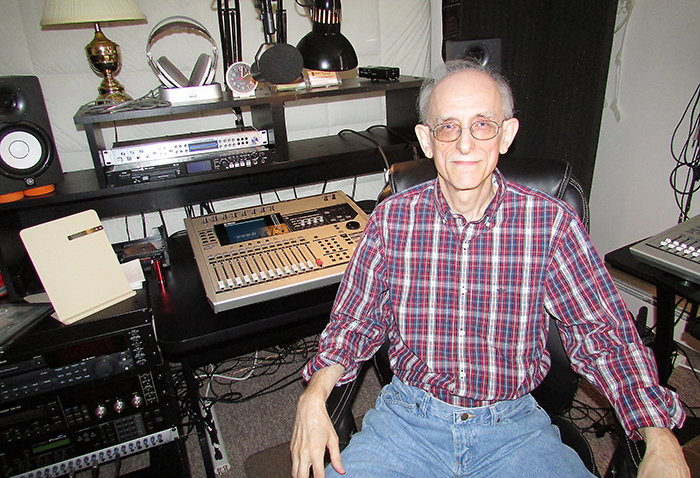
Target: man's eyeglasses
{"points": [[483, 130]]}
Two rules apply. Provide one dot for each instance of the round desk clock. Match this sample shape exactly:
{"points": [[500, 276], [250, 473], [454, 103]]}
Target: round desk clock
{"points": [[239, 80]]}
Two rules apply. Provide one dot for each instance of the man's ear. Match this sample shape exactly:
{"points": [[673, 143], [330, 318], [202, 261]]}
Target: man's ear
{"points": [[510, 129], [424, 138]]}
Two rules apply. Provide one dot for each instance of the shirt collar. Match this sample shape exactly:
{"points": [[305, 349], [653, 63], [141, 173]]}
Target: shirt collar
{"points": [[446, 213]]}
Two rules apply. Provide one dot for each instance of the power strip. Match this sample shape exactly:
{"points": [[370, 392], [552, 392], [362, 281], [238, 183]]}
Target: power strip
{"points": [[219, 457], [89, 460]]}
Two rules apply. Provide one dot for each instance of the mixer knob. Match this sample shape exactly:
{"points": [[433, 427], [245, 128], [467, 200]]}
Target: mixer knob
{"points": [[119, 406], [100, 411], [136, 401]]}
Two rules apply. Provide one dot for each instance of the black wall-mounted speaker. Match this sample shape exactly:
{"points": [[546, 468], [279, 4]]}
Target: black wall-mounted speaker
{"points": [[487, 52], [555, 56], [28, 157]]}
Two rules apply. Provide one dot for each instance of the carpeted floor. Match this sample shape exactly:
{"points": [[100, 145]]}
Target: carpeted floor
{"points": [[256, 433]]}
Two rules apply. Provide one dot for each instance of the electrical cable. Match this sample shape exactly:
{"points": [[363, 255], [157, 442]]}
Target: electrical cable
{"points": [[591, 419], [408, 140], [373, 141], [305, 4], [206, 207], [222, 377], [690, 363], [146, 102], [95, 470], [685, 176], [117, 464], [162, 221]]}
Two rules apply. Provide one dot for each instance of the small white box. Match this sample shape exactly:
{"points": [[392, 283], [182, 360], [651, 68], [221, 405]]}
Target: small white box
{"points": [[191, 94]]}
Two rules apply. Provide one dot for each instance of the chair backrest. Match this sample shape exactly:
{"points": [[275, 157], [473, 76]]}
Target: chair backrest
{"points": [[547, 175], [556, 393]]}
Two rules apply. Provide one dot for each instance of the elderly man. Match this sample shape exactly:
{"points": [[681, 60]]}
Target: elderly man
{"points": [[461, 273]]}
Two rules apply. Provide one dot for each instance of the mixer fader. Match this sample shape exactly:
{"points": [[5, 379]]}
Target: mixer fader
{"points": [[255, 254]]}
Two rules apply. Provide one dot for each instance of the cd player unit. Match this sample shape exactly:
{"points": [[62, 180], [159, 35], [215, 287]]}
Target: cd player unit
{"points": [[128, 174], [254, 254]]}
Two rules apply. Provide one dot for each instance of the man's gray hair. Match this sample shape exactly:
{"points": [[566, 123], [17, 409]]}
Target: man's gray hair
{"points": [[454, 66]]}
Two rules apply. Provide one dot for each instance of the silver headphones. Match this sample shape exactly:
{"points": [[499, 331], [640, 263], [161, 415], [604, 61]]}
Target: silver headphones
{"points": [[168, 74]]}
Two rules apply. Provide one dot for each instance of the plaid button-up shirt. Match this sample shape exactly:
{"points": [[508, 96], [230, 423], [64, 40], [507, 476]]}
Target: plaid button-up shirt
{"points": [[466, 305]]}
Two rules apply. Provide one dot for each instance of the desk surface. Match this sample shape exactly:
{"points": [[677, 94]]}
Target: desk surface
{"points": [[668, 286], [187, 326], [623, 260]]}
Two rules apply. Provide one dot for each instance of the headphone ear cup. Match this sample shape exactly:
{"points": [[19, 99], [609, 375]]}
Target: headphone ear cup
{"points": [[201, 70], [169, 75]]}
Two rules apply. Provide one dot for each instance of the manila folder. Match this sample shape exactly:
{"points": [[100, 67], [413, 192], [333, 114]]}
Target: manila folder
{"points": [[77, 265]]}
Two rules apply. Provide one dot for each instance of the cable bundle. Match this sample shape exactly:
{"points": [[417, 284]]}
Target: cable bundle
{"points": [[685, 176]]}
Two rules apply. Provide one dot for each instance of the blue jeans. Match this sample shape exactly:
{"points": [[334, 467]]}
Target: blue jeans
{"points": [[409, 433]]}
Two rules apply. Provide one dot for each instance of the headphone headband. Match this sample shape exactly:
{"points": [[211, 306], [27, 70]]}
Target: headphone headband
{"points": [[162, 67]]}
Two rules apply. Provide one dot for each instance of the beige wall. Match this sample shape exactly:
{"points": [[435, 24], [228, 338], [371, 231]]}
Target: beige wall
{"points": [[631, 197]]}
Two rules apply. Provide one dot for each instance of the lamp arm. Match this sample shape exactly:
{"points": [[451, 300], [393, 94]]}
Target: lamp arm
{"points": [[268, 19], [281, 23]]}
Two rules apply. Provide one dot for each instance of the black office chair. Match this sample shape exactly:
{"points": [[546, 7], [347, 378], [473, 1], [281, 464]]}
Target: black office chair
{"points": [[556, 393]]}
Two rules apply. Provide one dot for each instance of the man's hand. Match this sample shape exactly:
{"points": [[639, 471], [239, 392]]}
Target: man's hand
{"points": [[313, 429], [663, 456]]}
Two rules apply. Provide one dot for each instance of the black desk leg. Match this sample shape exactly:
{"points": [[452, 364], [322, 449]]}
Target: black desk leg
{"points": [[193, 395], [665, 322]]}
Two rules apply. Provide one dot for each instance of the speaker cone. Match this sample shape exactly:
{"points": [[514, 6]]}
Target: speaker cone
{"points": [[24, 151]]}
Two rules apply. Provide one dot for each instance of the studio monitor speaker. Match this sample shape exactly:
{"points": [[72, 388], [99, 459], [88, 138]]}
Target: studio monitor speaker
{"points": [[28, 156], [487, 52]]}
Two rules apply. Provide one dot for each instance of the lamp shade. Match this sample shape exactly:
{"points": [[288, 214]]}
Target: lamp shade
{"points": [[61, 12], [325, 48]]}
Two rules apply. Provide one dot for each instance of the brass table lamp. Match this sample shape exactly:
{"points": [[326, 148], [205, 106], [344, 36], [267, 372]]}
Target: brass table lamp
{"points": [[103, 54]]}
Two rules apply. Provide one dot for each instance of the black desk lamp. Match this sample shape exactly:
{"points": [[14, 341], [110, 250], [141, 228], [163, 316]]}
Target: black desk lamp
{"points": [[325, 48]]}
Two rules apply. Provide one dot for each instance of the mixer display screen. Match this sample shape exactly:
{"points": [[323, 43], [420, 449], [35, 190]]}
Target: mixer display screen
{"points": [[248, 230]]}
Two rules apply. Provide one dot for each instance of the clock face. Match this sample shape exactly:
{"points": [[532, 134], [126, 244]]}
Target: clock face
{"points": [[239, 80]]}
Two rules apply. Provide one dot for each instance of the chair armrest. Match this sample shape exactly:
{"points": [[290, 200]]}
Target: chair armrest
{"points": [[339, 406]]}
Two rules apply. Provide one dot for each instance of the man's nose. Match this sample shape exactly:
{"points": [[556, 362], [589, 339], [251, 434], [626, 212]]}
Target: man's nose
{"points": [[465, 142]]}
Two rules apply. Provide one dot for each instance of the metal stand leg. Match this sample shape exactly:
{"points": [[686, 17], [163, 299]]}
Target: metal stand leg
{"points": [[664, 344]]}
